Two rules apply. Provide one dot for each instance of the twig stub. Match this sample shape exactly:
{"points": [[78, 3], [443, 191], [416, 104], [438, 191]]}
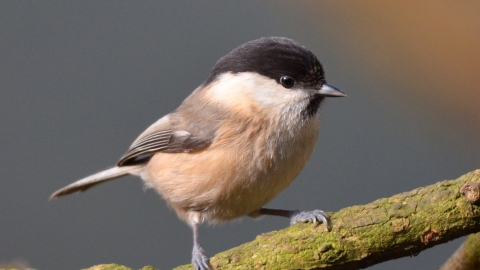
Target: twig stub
{"points": [[471, 192]]}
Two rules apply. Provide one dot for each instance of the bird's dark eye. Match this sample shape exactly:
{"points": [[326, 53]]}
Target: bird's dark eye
{"points": [[287, 82]]}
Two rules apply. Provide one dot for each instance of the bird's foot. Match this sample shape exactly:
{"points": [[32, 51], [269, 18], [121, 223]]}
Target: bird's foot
{"points": [[314, 216], [199, 259]]}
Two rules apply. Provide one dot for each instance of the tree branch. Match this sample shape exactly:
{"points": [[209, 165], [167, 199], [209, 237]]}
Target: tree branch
{"points": [[402, 225], [467, 256], [390, 228]]}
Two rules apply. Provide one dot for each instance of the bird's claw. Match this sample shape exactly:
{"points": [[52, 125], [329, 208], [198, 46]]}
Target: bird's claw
{"points": [[314, 216], [199, 259]]}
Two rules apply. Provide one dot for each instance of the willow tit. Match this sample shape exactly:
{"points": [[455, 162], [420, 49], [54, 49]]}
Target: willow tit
{"points": [[236, 142]]}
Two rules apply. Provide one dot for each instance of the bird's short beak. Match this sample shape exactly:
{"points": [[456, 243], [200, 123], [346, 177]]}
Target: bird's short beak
{"points": [[330, 91]]}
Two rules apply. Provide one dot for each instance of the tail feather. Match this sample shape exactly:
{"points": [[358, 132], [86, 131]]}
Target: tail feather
{"points": [[95, 179]]}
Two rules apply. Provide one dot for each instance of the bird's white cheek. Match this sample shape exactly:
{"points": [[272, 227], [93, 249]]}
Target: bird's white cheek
{"points": [[251, 93], [229, 92]]}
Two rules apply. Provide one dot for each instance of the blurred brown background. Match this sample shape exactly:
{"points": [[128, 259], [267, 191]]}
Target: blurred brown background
{"points": [[80, 80], [434, 44]]}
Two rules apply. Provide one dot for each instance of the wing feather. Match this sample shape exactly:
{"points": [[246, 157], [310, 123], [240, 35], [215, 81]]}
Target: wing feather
{"points": [[162, 137]]}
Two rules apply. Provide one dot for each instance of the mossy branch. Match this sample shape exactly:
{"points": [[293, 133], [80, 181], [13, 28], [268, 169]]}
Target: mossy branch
{"points": [[386, 229]]}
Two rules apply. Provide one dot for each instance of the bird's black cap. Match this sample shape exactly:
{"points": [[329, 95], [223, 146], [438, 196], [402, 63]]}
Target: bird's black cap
{"points": [[273, 57]]}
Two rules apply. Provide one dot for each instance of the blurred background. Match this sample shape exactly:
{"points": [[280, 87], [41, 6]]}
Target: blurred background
{"points": [[79, 80]]}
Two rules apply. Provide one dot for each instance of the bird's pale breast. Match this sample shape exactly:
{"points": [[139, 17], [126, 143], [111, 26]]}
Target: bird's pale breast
{"points": [[246, 166]]}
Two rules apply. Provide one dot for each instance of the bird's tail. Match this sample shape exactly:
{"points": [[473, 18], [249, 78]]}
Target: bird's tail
{"points": [[95, 179]]}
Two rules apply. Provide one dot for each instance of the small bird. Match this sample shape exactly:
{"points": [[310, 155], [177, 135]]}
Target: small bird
{"points": [[235, 142]]}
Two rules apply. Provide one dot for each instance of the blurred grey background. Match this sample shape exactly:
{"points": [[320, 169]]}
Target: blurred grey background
{"points": [[79, 80]]}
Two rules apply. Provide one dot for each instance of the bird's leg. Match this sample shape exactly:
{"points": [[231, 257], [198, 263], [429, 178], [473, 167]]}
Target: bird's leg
{"points": [[199, 259], [300, 216]]}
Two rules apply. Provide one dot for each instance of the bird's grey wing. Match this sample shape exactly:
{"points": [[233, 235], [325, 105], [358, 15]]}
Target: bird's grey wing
{"points": [[168, 135], [162, 136]]}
